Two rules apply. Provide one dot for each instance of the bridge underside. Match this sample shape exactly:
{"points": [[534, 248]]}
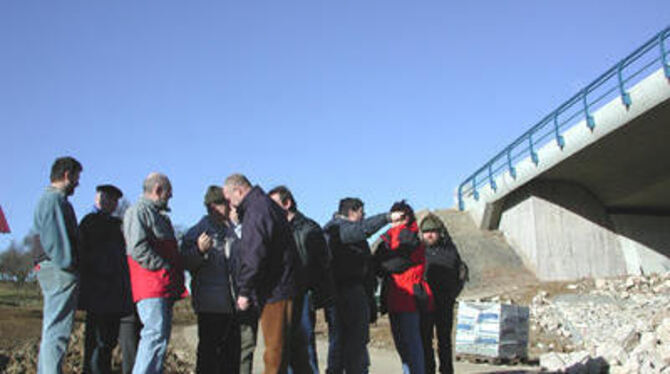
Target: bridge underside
{"points": [[628, 171], [599, 207]]}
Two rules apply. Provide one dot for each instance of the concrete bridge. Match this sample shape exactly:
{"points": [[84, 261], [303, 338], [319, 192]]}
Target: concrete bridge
{"points": [[586, 191]]}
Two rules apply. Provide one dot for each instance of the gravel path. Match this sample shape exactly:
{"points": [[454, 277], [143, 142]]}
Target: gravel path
{"points": [[382, 361]]}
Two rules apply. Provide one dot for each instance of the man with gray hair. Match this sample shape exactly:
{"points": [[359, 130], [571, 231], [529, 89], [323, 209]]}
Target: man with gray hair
{"points": [[156, 270], [268, 262]]}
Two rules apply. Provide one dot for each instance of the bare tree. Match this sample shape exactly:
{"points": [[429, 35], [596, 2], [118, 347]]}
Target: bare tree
{"points": [[16, 263]]}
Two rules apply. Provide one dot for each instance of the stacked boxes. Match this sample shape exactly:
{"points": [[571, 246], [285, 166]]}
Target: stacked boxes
{"points": [[492, 330]]}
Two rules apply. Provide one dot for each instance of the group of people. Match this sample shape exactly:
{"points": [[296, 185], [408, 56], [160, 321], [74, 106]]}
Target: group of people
{"points": [[253, 258]]}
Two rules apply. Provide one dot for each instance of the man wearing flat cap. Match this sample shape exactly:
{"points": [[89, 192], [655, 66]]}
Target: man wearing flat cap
{"points": [[105, 283], [206, 249]]}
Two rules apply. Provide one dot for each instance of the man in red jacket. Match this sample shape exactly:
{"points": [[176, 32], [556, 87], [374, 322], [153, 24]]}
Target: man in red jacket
{"points": [[156, 270]]}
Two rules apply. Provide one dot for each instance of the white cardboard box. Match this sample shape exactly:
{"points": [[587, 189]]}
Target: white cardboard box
{"points": [[492, 329]]}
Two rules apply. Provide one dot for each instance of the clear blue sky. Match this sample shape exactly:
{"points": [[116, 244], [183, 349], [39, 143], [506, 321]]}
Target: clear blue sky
{"points": [[377, 99]]}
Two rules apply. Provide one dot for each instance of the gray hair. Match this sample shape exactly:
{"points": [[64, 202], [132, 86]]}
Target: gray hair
{"points": [[237, 180], [154, 179]]}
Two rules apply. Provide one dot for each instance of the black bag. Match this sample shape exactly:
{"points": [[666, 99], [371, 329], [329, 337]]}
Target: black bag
{"points": [[421, 297]]}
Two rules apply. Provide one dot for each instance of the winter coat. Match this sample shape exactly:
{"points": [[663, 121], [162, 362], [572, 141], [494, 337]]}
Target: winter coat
{"points": [[268, 258], [211, 287], [314, 259], [104, 277], [407, 290], [156, 267], [445, 270], [350, 249]]}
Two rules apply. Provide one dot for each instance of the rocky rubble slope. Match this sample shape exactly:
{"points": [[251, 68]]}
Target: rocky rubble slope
{"points": [[23, 359], [621, 325]]}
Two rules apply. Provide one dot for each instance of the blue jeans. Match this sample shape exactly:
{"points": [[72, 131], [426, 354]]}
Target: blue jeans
{"points": [[304, 335], [156, 317], [406, 329], [60, 290]]}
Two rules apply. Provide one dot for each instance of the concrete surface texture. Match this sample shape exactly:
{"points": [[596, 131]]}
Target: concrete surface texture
{"points": [[562, 232], [645, 242]]}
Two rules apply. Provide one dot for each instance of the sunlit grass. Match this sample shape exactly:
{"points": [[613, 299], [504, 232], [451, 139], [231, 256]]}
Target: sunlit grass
{"points": [[27, 294]]}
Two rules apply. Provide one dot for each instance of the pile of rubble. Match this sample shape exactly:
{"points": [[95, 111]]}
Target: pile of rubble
{"points": [[621, 325], [23, 359]]}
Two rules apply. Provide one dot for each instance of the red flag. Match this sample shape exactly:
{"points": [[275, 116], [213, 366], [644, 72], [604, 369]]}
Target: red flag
{"points": [[4, 227]]}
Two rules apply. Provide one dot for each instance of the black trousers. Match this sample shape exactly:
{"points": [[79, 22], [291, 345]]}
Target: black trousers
{"points": [[102, 331], [129, 337], [218, 344], [100, 337], [441, 323]]}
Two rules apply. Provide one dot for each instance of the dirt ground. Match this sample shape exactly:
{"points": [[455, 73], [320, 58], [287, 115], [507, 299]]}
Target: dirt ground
{"points": [[20, 324]]}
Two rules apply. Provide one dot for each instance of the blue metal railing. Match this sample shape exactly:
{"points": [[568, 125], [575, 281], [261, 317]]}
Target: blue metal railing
{"points": [[579, 107]]}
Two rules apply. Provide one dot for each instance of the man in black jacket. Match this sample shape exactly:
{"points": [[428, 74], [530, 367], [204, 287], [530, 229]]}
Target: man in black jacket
{"points": [[105, 283], [348, 331], [268, 262], [446, 274], [316, 289]]}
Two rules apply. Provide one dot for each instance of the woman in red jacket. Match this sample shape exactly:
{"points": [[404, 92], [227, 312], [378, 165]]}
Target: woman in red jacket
{"points": [[405, 292]]}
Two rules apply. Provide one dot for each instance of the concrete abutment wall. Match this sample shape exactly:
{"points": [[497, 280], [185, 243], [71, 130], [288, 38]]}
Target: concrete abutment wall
{"points": [[563, 232]]}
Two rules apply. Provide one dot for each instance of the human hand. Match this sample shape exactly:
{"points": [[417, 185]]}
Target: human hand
{"points": [[397, 218], [243, 303], [204, 242]]}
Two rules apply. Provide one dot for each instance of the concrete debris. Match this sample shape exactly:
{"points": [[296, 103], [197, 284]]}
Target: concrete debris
{"points": [[618, 325]]}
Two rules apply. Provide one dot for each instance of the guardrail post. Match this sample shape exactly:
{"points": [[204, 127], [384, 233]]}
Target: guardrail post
{"points": [[664, 57], [590, 122], [492, 183], [512, 170], [461, 204], [475, 193], [559, 139], [533, 155], [625, 97]]}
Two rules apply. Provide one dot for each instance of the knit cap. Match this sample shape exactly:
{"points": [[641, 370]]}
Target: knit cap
{"points": [[431, 222]]}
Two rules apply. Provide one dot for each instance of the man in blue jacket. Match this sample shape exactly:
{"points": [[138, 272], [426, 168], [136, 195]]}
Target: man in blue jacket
{"points": [[348, 320], [267, 266], [56, 260]]}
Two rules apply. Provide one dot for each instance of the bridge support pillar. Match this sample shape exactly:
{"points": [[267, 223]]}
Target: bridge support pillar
{"points": [[562, 232], [644, 240]]}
